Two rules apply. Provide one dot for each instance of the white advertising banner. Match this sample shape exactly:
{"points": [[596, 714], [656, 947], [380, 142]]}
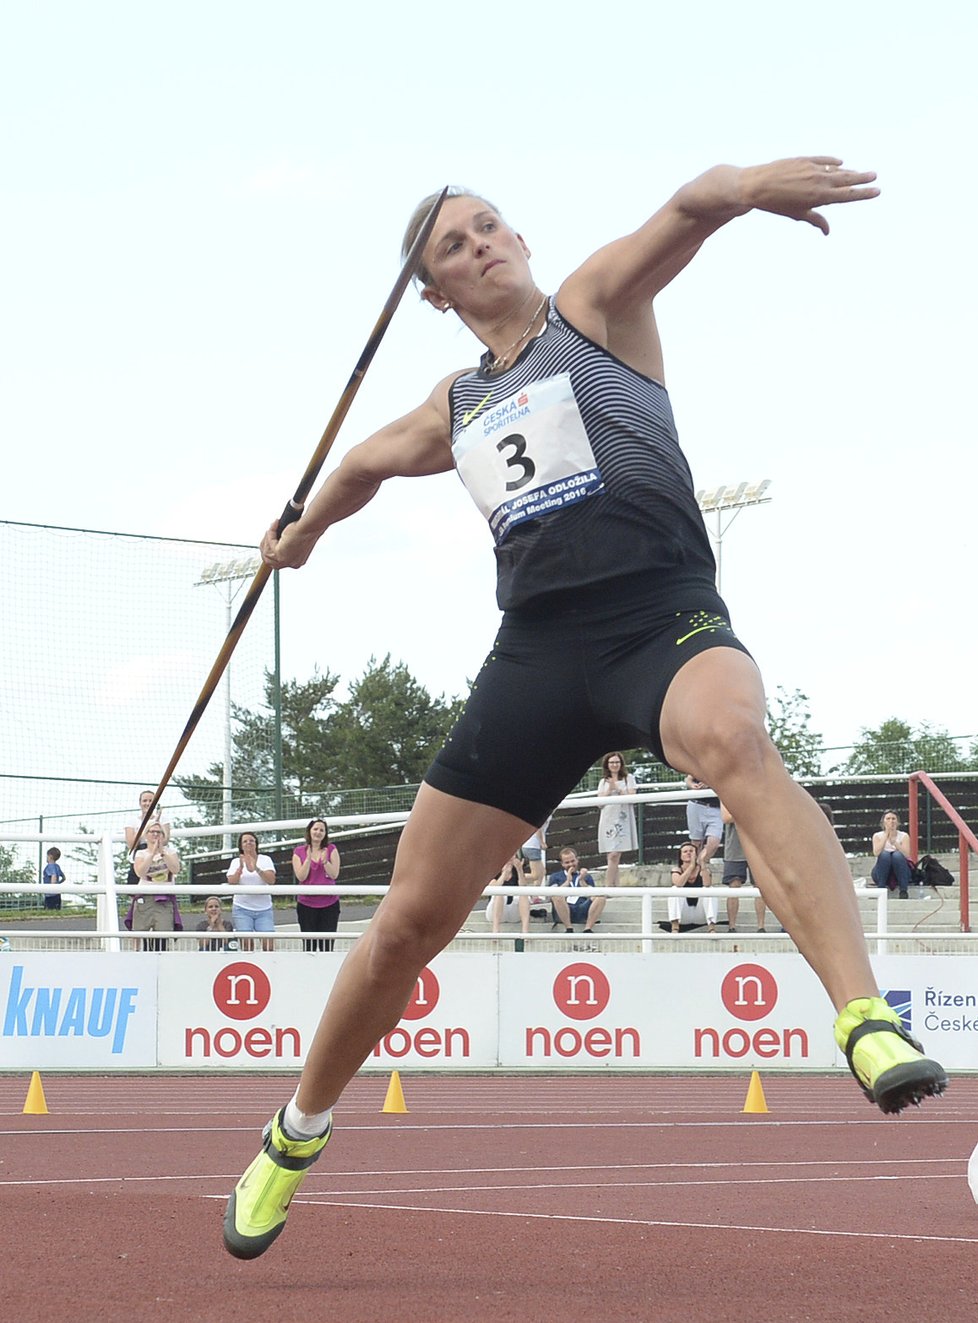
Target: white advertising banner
{"points": [[937, 998], [451, 1021], [222, 1010], [78, 1011], [660, 1012], [578, 1011]]}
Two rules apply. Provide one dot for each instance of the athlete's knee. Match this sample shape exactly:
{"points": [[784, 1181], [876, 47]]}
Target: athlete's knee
{"points": [[735, 744]]}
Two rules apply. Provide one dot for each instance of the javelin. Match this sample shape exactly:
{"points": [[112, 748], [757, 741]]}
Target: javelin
{"points": [[294, 508]]}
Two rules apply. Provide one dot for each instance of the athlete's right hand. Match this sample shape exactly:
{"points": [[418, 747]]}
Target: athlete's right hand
{"points": [[290, 550]]}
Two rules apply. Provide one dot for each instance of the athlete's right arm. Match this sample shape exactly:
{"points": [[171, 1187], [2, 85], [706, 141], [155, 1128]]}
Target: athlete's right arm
{"points": [[412, 447]]}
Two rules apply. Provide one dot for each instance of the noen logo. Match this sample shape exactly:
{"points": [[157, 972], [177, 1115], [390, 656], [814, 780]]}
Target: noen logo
{"points": [[581, 991], [242, 991], [424, 998], [427, 1041], [749, 992], [899, 1000]]}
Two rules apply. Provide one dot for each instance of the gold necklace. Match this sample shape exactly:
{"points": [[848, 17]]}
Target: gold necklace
{"points": [[499, 359]]}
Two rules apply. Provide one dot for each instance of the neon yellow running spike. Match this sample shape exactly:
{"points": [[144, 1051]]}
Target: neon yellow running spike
{"points": [[889, 1065], [259, 1203]]}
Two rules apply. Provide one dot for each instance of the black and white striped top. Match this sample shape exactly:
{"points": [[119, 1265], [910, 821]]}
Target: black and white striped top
{"points": [[645, 520]]}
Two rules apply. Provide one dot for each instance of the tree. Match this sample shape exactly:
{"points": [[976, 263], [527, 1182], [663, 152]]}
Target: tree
{"points": [[390, 727], [788, 720], [12, 870], [385, 733], [308, 758], [895, 748]]}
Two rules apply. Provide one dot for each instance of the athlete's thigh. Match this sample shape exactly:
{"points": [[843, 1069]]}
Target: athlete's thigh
{"points": [[527, 734]]}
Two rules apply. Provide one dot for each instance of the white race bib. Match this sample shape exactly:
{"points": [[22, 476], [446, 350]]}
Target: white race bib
{"points": [[526, 455]]}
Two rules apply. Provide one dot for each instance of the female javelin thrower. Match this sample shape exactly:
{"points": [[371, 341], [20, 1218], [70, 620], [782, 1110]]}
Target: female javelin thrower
{"points": [[613, 635]]}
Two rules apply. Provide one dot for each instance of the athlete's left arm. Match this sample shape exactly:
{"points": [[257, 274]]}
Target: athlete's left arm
{"points": [[616, 285]]}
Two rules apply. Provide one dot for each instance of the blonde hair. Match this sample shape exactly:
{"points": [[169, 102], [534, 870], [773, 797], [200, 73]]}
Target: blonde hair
{"points": [[423, 276]]}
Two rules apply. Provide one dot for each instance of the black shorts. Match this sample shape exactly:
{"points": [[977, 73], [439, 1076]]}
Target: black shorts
{"points": [[564, 685]]}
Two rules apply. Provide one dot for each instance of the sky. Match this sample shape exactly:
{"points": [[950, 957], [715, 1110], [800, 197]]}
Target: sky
{"points": [[202, 209]]}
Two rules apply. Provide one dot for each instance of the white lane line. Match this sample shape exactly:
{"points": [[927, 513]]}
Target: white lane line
{"points": [[401, 1126], [648, 1222], [550, 1170]]}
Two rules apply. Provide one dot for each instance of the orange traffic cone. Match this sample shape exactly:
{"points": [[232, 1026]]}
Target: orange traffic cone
{"points": [[35, 1104], [755, 1101], [394, 1102]]}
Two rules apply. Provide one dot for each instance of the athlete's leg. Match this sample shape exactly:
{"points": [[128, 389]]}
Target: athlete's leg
{"points": [[420, 915], [712, 723]]}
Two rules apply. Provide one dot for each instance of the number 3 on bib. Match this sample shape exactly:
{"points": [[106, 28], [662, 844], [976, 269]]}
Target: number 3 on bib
{"points": [[545, 466]]}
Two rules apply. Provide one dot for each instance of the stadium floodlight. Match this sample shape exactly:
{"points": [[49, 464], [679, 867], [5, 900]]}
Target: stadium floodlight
{"points": [[233, 573], [729, 500]]}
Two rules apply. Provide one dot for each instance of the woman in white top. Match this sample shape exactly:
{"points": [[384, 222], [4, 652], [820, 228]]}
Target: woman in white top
{"points": [[616, 825], [251, 913], [891, 847]]}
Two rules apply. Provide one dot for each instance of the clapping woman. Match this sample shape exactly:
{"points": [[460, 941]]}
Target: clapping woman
{"points": [[616, 825], [318, 863], [251, 912]]}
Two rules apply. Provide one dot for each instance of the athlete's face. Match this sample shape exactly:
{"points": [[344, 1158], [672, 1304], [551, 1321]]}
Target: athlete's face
{"points": [[473, 257]]}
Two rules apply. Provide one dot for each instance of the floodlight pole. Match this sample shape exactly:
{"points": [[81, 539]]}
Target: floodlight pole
{"points": [[231, 573], [729, 500]]}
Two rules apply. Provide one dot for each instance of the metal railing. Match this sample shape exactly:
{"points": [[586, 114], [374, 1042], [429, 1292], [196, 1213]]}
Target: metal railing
{"points": [[966, 837]]}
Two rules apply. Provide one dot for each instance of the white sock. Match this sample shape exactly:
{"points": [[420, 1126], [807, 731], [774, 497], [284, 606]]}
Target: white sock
{"points": [[305, 1125]]}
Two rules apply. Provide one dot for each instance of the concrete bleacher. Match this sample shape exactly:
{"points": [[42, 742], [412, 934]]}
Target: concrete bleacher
{"points": [[927, 912]]}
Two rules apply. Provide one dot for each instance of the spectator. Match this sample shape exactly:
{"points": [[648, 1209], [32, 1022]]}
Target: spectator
{"points": [[891, 847], [736, 873], [534, 851], [132, 830], [616, 823], [318, 863], [510, 875], [52, 876], [704, 822], [689, 872], [156, 865], [215, 922], [574, 909], [252, 913]]}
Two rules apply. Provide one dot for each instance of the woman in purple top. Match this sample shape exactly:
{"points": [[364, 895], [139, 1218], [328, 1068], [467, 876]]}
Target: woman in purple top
{"points": [[318, 863]]}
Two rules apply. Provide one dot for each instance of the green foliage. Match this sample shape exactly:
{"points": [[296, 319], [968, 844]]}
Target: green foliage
{"points": [[789, 724], [12, 870], [385, 733], [389, 729], [895, 747], [86, 855]]}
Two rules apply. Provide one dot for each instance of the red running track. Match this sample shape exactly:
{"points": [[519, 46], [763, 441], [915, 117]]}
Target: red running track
{"points": [[497, 1198]]}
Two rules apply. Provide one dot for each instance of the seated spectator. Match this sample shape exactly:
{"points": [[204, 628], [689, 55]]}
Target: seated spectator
{"points": [[736, 873], [52, 876], [571, 909], [891, 847], [703, 821], [510, 875], [534, 852], [689, 872], [156, 865], [215, 922]]}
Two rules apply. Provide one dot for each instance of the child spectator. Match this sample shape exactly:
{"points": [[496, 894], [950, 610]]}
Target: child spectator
{"points": [[53, 876]]}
